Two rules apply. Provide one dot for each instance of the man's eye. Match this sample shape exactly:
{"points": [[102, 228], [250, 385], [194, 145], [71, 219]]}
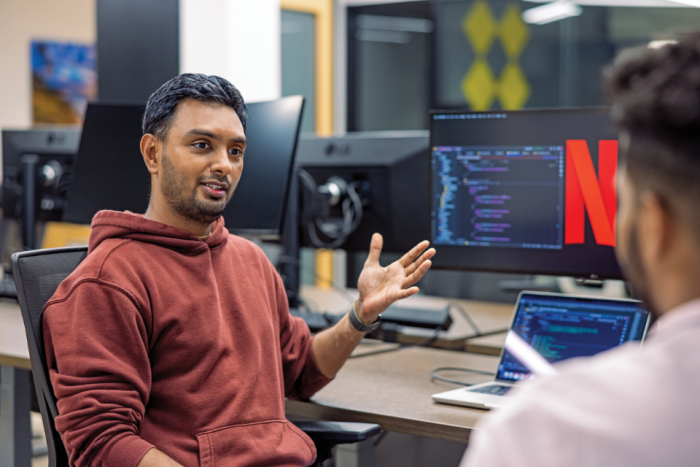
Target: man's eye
{"points": [[236, 152], [201, 145]]}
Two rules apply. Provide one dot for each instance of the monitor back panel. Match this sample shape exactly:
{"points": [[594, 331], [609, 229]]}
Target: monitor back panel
{"points": [[109, 172], [390, 169], [56, 148]]}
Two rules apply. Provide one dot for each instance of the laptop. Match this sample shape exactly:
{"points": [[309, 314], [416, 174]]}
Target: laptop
{"points": [[558, 327]]}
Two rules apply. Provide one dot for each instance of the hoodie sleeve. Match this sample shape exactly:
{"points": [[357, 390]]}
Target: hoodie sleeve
{"points": [[302, 377], [96, 345]]}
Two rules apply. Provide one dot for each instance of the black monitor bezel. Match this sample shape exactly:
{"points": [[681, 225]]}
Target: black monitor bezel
{"points": [[275, 233], [68, 215], [560, 272]]}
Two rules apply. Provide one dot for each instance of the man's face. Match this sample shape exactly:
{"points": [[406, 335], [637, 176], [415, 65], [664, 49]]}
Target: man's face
{"points": [[202, 160], [628, 250]]}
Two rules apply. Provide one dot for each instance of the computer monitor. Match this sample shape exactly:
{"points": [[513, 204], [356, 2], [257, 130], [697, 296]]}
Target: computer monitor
{"points": [[56, 149], [389, 169], [517, 191], [37, 168], [110, 172]]}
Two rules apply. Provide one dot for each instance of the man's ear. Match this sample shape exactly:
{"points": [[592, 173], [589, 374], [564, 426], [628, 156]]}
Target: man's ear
{"points": [[657, 229], [150, 149]]}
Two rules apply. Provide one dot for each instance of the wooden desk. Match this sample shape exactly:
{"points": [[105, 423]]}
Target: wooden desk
{"points": [[393, 390], [13, 340], [488, 316], [487, 345], [15, 389]]}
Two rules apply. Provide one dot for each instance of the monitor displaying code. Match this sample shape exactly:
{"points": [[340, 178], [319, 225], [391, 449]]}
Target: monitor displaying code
{"points": [[527, 191], [560, 328], [487, 194]]}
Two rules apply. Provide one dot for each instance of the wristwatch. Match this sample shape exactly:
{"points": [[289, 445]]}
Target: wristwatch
{"points": [[359, 325]]}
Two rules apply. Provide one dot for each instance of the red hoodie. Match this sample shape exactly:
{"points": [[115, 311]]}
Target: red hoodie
{"points": [[160, 339]]}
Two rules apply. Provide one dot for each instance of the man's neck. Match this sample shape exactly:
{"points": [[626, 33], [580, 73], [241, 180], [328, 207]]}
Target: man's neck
{"points": [[169, 217], [681, 297], [676, 286]]}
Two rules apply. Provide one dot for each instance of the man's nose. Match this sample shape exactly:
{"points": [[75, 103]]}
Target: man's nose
{"points": [[222, 164]]}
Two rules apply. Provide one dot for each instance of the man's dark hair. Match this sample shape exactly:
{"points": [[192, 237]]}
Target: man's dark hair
{"points": [[655, 94], [161, 106]]}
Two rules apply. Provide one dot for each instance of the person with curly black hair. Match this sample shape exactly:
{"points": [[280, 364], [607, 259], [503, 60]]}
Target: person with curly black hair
{"points": [[630, 407]]}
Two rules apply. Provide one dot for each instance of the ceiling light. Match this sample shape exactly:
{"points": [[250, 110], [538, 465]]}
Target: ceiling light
{"points": [[551, 12], [659, 44], [631, 3], [394, 23], [695, 3]]}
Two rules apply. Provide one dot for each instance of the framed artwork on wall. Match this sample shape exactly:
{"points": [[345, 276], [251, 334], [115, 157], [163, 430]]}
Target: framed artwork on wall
{"points": [[63, 80]]}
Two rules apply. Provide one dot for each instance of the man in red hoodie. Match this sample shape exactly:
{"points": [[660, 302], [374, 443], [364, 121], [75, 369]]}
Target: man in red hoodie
{"points": [[172, 343]]}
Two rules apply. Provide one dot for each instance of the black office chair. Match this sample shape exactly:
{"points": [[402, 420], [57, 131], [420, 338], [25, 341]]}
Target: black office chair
{"points": [[37, 275]]}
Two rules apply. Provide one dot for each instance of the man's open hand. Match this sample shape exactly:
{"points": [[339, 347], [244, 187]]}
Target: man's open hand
{"points": [[380, 287]]}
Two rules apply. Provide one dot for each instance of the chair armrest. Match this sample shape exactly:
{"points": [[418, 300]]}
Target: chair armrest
{"points": [[322, 432]]}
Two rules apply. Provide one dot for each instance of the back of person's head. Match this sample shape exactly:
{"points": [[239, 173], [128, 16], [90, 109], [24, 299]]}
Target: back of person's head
{"points": [[162, 105], [656, 104]]}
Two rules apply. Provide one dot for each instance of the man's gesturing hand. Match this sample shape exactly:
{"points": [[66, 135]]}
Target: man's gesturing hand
{"points": [[380, 287]]}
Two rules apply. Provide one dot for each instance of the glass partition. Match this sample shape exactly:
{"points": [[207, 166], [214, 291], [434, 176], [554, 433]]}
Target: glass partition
{"points": [[405, 58]]}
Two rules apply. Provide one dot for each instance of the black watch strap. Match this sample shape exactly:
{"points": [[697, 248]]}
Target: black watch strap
{"points": [[359, 325]]}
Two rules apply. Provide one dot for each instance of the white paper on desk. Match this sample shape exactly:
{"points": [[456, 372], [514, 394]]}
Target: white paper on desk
{"points": [[528, 356]]}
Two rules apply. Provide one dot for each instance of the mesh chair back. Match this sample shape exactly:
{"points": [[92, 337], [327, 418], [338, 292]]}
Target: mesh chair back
{"points": [[37, 275]]}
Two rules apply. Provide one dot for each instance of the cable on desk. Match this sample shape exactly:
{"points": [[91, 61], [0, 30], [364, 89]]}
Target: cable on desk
{"points": [[430, 339], [466, 316], [434, 376]]}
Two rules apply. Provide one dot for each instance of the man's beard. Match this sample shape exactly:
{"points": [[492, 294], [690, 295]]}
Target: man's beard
{"points": [[635, 273], [176, 191]]}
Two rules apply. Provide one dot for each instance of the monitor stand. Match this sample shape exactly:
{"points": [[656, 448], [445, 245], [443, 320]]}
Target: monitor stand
{"points": [[29, 164]]}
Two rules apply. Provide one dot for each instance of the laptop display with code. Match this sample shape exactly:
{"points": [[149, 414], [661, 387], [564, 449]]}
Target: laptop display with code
{"points": [[561, 327]]}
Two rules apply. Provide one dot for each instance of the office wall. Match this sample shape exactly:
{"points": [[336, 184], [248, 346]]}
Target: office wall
{"points": [[20, 22], [236, 39]]}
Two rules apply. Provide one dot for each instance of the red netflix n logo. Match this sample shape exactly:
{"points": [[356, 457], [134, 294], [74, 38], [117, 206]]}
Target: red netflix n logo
{"points": [[597, 194]]}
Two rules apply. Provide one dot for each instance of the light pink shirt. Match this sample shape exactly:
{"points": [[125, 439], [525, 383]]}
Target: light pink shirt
{"points": [[625, 407]]}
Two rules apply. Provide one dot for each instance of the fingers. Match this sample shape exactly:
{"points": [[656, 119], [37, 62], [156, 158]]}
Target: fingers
{"points": [[375, 249], [409, 257], [405, 293], [416, 264], [417, 274]]}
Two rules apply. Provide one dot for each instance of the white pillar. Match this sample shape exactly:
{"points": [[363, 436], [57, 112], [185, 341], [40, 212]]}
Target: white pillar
{"points": [[236, 39]]}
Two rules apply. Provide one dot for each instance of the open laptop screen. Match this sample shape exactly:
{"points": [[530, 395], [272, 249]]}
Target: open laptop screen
{"points": [[561, 327]]}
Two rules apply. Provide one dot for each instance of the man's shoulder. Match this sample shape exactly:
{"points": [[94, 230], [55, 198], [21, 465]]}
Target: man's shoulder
{"points": [[243, 244], [90, 269], [247, 249], [631, 367], [586, 379], [93, 263], [610, 409], [604, 387]]}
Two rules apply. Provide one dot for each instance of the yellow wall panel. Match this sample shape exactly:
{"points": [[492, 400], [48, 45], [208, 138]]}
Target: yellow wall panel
{"points": [[323, 10]]}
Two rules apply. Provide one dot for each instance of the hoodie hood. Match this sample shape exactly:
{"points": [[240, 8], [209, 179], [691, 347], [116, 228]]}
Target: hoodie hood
{"points": [[128, 225]]}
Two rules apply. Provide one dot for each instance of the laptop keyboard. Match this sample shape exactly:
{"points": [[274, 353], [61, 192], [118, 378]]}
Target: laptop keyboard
{"points": [[495, 389]]}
